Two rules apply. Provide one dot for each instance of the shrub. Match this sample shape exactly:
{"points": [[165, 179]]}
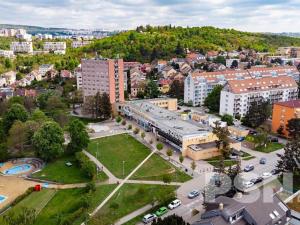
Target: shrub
{"points": [[90, 187], [159, 146], [166, 178], [118, 119], [136, 130], [86, 165], [129, 127], [124, 122], [21, 197], [143, 135]]}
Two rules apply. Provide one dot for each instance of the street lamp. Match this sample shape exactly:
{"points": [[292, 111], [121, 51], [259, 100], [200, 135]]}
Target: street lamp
{"points": [[123, 168]]}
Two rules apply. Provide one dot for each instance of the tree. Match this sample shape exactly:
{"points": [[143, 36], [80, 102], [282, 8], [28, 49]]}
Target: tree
{"points": [[143, 135], [289, 161], [234, 64], [259, 111], [105, 106], [17, 135], [79, 136], [7, 63], [3, 152], [48, 141], [177, 89], [220, 59], [293, 128], [181, 158], [280, 130], [118, 119], [170, 220], [25, 216], [193, 165], [228, 119], [222, 143], [169, 153], [151, 90], [136, 130], [167, 178], [212, 101], [15, 112], [159, 146]]}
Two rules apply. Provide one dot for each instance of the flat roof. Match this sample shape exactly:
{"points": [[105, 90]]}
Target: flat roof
{"points": [[168, 119]]}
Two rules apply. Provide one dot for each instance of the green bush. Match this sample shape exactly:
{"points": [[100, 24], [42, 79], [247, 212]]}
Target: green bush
{"points": [[143, 135], [21, 197], [136, 130], [129, 127], [118, 119], [159, 146], [86, 165], [124, 122]]}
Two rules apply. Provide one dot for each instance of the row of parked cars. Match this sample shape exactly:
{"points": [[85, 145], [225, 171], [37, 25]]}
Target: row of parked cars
{"points": [[161, 211]]}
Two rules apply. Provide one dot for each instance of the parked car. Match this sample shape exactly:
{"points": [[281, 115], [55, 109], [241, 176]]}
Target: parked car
{"points": [[193, 194], [266, 175], [149, 218], [274, 139], [248, 184], [240, 139], [257, 180], [263, 160], [233, 156], [161, 211], [275, 171], [249, 168], [174, 204]]}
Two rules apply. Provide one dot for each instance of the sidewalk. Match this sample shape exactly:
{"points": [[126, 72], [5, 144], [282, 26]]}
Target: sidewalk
{"points": [[134, 214]]}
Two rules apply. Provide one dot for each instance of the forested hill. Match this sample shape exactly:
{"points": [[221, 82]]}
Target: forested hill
{"points": [[147, 43]]}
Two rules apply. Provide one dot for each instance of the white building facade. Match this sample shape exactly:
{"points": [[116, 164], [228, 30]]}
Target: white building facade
{"points": [[21, 47], [198, 85], [55, 46], [237, 95]]}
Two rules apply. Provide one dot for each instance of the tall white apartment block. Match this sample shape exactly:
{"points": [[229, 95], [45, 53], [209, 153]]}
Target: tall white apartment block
{"points": [[198, 85], [21, 47], [237, 95], [55, 46]]}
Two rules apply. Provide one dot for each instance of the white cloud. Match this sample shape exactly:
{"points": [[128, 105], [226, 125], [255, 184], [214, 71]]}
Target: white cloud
{"points": [[255, 15]]}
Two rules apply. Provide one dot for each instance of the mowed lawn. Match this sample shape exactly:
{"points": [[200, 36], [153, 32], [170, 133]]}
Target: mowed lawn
{"points": [[53, 206], [36, 201], [113, 150], [156, 167], [57, 171], [130, 198]]}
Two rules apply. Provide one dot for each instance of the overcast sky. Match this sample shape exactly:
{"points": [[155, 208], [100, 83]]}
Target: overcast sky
{"points": [[250, 15]]}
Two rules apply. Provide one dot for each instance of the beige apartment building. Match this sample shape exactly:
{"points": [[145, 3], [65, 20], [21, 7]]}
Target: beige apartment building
{"points": [[103, 75]]}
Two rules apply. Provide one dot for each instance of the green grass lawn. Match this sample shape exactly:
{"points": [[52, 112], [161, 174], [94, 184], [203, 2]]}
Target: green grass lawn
{"points": [[36, 201], [61, 205], [115, 149], [271, 147], [58, 171], [130, 198], [156, 167]]}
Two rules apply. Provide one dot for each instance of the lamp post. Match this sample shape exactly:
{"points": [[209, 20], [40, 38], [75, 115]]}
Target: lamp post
{"points": [[123, 168]]}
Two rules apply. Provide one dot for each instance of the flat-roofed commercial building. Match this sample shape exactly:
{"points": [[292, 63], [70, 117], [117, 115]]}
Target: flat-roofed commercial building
{"points": [[158, 116]]}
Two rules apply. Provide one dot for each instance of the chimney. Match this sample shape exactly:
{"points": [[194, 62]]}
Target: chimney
{"points": [[221, 206]]}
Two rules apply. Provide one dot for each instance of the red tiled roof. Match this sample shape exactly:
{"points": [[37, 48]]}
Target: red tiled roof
{"points": [[261, 84], [290, 104]]}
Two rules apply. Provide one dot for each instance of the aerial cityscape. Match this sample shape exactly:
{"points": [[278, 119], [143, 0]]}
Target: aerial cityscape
{"points": [[149, 112]]}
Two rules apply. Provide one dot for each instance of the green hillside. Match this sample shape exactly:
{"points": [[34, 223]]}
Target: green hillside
{"points": [[147, 43]]}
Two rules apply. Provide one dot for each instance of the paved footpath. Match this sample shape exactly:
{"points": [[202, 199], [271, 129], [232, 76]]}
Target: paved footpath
{"points": [[111, 178], [120, 185], [134, 214]]}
